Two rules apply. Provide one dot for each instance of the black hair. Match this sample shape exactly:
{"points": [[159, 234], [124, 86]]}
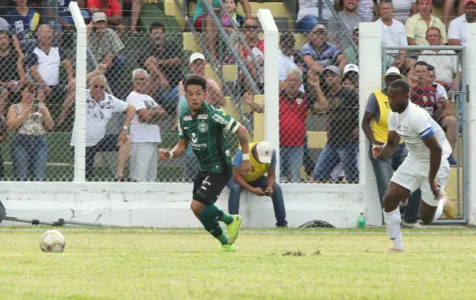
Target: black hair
{"points": [[422, 63], [195, 80], [156, 25], [431, 68], [401, 85], [287, 37]]}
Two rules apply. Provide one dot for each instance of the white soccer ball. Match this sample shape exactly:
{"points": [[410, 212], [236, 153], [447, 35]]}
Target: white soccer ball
{"points": [[52, 241]]}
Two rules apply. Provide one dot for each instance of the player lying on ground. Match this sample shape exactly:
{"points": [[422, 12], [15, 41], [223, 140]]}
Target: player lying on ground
{"points": [[203, 125], [426, 166]]}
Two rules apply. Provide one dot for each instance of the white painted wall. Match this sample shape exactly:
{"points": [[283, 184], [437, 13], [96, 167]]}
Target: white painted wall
{"points": [[167, 205], [471, 120], [370, 73]]}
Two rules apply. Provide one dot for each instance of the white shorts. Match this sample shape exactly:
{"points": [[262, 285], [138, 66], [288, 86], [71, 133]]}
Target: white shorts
{"points": [[412, 177], [144, 162]]}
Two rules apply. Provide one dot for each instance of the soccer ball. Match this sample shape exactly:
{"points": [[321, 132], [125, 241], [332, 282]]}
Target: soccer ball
{"points": [[52, 241]]}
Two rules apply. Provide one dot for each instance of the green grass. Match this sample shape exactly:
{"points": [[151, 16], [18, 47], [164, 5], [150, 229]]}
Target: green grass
{"points": [[139, 263]]}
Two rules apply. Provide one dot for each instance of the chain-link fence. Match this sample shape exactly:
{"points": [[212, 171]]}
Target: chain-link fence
{"points": [[436, 79], [318, 80], [236, 84], [319, 108]]}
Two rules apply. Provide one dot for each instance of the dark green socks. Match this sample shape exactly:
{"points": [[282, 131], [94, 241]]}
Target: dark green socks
{"points": [[209, 218]]}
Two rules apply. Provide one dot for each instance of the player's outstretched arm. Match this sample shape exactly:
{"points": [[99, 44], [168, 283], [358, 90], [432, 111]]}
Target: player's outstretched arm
{"points": [[177, 151], [243, 138]]}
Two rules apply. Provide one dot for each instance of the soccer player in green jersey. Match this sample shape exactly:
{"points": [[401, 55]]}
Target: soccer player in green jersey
{"points": [[203, 125]]}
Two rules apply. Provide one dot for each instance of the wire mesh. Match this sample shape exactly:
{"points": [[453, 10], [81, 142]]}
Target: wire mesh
{"points": [[436, 79], [318, 125]]}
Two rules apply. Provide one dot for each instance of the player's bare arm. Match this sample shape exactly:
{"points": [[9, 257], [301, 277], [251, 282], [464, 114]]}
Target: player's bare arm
{"points": [[387, 149], [177, 151], [243, 138], [435, 161], [238, 178]]}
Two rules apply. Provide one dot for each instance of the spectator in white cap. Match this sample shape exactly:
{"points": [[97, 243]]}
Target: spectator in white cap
{"points": [[350, 78], [214, 97], [112, 10], [342, 106], [197, 66], [375, 127], [106, 46], [263, 162]]}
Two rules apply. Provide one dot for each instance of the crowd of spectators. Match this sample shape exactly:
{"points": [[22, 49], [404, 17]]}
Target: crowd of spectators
{"points": [[320, 77]]}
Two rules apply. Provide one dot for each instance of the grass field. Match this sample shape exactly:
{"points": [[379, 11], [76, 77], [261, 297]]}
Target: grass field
{"points": [[108, 263]]}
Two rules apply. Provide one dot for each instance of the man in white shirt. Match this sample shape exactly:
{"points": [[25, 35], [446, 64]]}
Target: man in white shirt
{"points": [[44, 68], [286, 59], [393, 35], [444, 61], [101, 107], [457, 29], [426, 166], [145, 131]]}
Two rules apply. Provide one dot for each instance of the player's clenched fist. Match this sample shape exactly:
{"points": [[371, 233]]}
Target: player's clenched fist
{"points": [[377, 151], [245, 167], [164, 154]]}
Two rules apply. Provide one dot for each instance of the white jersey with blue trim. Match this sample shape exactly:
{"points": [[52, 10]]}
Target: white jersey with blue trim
{"points": [[414, 125]]}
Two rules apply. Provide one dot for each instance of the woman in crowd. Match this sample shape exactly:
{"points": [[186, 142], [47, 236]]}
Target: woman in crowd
{"points": [[30, 120]]}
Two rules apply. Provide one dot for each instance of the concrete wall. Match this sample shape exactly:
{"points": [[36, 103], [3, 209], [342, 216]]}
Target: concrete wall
{"points": [[167, 205]]}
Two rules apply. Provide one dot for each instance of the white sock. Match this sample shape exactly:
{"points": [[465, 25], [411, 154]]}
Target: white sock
{"points": [[392, 223], [439, 208]]}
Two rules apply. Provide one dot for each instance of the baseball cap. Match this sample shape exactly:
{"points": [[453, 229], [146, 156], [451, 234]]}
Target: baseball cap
{"points": [[468, 1], [265, 152], [99, 16], [393, 71], [332, 69], [319, 27], [351, 68], [195, 56]]}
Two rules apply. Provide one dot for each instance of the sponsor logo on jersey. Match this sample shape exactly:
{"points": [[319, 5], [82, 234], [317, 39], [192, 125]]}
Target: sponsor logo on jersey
{"points": [[219, 119], [193, 137], [194, 140], [202, 117], [202, 127], [187, 118]]}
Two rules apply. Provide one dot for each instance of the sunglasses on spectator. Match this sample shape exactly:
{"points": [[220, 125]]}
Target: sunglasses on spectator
{"points": [[318, 32], [140, 79], [250, 27], [99, 87]]}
